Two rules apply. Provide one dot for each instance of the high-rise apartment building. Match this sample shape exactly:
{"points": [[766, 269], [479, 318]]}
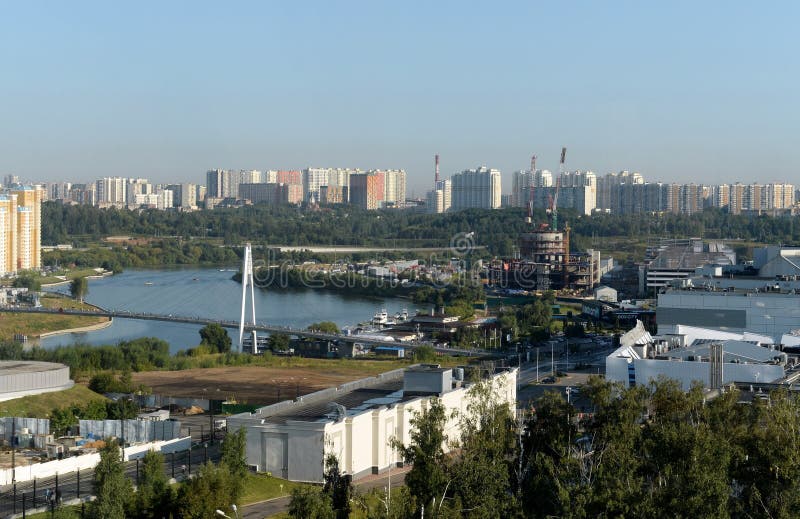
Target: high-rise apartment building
{"points": [[111, 191], [476, 188], [367, 189], [394, 191], [137, 186], [184, 195], [521, 185], [21, 229], [440, 199], [216, 180], [313, 180]]}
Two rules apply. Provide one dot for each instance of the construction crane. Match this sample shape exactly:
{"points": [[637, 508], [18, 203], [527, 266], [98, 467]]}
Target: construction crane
{"points": [[554, 207]]}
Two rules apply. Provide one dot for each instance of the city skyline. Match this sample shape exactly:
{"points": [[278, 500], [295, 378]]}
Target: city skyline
{"points": [[676, 92]]}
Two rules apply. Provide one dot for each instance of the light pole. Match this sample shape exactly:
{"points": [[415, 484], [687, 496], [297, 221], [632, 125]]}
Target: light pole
{"points": [[223, 514]]}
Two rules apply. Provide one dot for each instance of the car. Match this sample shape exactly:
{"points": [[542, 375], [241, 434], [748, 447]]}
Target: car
{"points": [[549, 380]]}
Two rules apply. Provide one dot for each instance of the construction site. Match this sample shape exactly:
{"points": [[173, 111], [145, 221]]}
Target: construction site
{"points": [[544, 260]]}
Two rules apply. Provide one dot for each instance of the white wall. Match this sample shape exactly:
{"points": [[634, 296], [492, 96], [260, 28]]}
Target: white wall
{"points": [[86, 461], [361, 442]]}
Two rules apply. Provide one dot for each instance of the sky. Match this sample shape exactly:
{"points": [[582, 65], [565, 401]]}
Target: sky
{"points": [[679, 91]]}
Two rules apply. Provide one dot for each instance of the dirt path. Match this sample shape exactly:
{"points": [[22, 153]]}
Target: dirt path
{"points": [[251, 384]]}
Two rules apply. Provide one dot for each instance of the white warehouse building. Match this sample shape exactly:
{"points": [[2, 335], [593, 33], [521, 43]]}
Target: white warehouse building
{"points": [[356, 422], [689, 356]]}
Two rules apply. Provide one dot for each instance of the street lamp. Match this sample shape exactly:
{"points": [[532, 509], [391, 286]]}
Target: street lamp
{"points": [[223, 514]]}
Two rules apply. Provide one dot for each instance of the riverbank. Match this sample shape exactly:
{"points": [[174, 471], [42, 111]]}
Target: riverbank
{"points": [[80, 329], [54, 281], [46, 325]]}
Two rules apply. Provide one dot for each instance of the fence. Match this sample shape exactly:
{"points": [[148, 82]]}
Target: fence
{"points": [[84, 462], [35, 426], [132, 431], [22, 498]]}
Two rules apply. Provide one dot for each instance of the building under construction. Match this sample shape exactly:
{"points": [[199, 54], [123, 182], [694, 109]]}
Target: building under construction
{"points": [[545, 263], [544, 260]]}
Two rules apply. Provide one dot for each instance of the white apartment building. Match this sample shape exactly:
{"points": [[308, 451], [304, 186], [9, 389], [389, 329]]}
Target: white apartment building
{"points": [[476, 188], [111, 191], [394, 187], [313, 180]]}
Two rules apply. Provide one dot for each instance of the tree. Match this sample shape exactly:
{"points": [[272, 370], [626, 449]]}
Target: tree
{"points": [[61, 419], [111, 487], [310, 503], [324, 327], [424, 353], [338, 486], [210, 490], [427, 478], [122, 409], [234, 459], [79, 288], [488, 449], [153, 495], [279, 342], [216, 337], [28, 279]]}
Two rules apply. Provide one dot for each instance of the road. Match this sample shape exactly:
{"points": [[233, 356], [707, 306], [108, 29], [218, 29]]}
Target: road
{"points": [[275, 506]]}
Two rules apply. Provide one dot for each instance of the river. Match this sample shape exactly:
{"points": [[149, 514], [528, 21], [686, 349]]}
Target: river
{"points": [[213, 294]]}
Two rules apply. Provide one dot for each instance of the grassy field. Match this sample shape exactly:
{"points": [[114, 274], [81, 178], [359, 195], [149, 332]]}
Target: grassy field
{"points": [[69, 274], [260, 487], [38, 406], [34, 325]]}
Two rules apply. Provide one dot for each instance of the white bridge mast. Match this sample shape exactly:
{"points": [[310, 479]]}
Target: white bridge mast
{"points": [[247, 279]]}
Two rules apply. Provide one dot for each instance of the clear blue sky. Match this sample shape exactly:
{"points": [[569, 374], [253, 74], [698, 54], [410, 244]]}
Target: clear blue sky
{"points": [[684, 91]]}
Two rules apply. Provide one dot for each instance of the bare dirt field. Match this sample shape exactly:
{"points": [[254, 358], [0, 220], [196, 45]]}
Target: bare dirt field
{"points": [[256, 384]]}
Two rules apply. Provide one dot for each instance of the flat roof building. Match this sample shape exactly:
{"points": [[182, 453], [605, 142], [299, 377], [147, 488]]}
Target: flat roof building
{"points": [[356, 422]]}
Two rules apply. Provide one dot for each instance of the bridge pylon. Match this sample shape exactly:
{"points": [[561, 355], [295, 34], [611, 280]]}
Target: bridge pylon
{"points": [[247, 280]]}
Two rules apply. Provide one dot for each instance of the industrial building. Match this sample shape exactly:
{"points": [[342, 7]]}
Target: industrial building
{"points": [[356, 421], [762, 297], [20, 378], [693, 355], [670, 259]]}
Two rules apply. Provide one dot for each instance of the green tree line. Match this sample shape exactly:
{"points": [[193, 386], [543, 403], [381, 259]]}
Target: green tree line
{"points": [[651, 452], [497, 230]]}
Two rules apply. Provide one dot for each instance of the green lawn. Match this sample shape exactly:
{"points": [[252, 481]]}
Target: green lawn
{"points": [[34, 325], [39, 406], [70, 274], [260, 487]]}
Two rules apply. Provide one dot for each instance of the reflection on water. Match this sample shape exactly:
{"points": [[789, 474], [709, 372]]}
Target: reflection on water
{"points": [[209, 293]]}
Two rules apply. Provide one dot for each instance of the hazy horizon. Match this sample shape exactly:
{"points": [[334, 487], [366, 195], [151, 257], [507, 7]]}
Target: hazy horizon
{"points": [[680, 92]]}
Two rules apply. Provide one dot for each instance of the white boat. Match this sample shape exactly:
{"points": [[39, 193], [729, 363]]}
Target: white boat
{"points": [[381, 317], [148, 283], [401, 316]]}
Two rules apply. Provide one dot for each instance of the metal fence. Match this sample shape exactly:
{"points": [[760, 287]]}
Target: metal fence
{"points": [[49, 492], [14, 425], [133, 431]]}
